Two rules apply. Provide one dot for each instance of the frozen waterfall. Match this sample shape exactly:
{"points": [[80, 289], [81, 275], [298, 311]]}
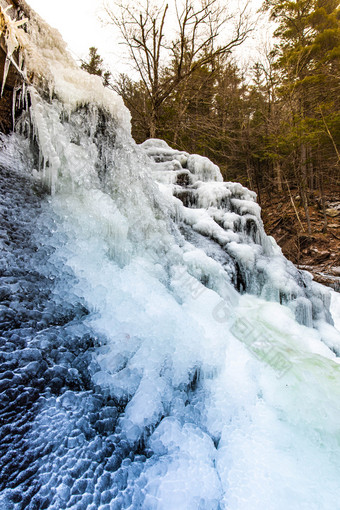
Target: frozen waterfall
{"points": [[157, 350]]}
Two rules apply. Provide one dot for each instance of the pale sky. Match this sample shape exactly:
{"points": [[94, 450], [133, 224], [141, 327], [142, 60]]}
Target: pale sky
{"points": [[77, 21]]}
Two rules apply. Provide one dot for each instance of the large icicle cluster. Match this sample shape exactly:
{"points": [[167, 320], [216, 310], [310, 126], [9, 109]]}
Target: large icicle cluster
{"points": [[149, 353]]}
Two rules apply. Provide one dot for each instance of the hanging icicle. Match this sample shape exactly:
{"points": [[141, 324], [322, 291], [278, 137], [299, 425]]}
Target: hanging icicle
{"points": [[9, 32]]}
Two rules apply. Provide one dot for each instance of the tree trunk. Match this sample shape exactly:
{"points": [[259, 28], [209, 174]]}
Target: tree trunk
{"points": [[153, 124], [305, 206], [278, 173], [310, 168], [323, 203], [304, 196], [249, 175]]}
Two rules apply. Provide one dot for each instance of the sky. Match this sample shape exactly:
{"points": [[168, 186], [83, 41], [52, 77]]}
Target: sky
{"points": [[78, 22]]}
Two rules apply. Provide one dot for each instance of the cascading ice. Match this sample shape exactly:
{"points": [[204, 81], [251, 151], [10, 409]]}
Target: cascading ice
{"points": [[227, 213], [150, 354]]}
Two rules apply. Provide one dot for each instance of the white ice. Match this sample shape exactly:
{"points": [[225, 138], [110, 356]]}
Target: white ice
{"points": [[238, 402]]}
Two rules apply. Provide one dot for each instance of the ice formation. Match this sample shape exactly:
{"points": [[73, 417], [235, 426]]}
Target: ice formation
{"points": [[157, 350]]}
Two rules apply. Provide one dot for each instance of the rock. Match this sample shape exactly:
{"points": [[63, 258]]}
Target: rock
{"points": [[335, 271], [5, 384], [321, 256], [56, 384], [27, 355], [33, 368], [332, 212], [105, 497], [63, 492]]}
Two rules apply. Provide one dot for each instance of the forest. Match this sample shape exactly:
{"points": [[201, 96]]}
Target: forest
{"points": [[274, 127]]}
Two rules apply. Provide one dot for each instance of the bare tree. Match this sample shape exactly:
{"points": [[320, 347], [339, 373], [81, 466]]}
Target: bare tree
{"points": [[200, 29]]}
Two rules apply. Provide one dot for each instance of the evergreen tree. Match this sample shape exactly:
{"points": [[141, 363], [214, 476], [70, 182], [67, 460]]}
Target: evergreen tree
{"points": [[94, 65], [307, 60]]}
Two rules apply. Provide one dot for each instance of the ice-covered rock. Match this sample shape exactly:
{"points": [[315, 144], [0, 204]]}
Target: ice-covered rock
{"points": [[227, 214]]}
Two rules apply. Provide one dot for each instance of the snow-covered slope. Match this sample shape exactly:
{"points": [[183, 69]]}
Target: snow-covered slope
{"points": [[150, 352]]}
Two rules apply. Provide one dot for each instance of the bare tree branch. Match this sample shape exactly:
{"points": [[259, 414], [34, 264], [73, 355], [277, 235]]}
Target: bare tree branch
{"points": [[200, 26]]}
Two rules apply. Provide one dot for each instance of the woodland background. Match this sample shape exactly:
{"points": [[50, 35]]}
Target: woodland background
{"points": [[274, 127]]}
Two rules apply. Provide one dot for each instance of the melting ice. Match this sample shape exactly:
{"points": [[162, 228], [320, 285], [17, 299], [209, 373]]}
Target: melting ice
{"points": [[157, 349]]}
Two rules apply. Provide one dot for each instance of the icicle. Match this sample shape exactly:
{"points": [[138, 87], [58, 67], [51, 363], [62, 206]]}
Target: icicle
{"points": [[6, 69], [8, 28], [23, 101], [14, 101], [41, 163]]}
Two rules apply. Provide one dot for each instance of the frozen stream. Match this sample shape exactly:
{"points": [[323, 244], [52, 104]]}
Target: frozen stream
{"points": [[157, 351]]}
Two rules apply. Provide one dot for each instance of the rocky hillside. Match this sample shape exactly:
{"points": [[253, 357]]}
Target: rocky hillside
{"points": [[319, 252]]}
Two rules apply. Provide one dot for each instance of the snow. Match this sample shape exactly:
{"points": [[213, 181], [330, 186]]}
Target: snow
{"points": [[158, 351], [211, 194], [203, 168]]}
